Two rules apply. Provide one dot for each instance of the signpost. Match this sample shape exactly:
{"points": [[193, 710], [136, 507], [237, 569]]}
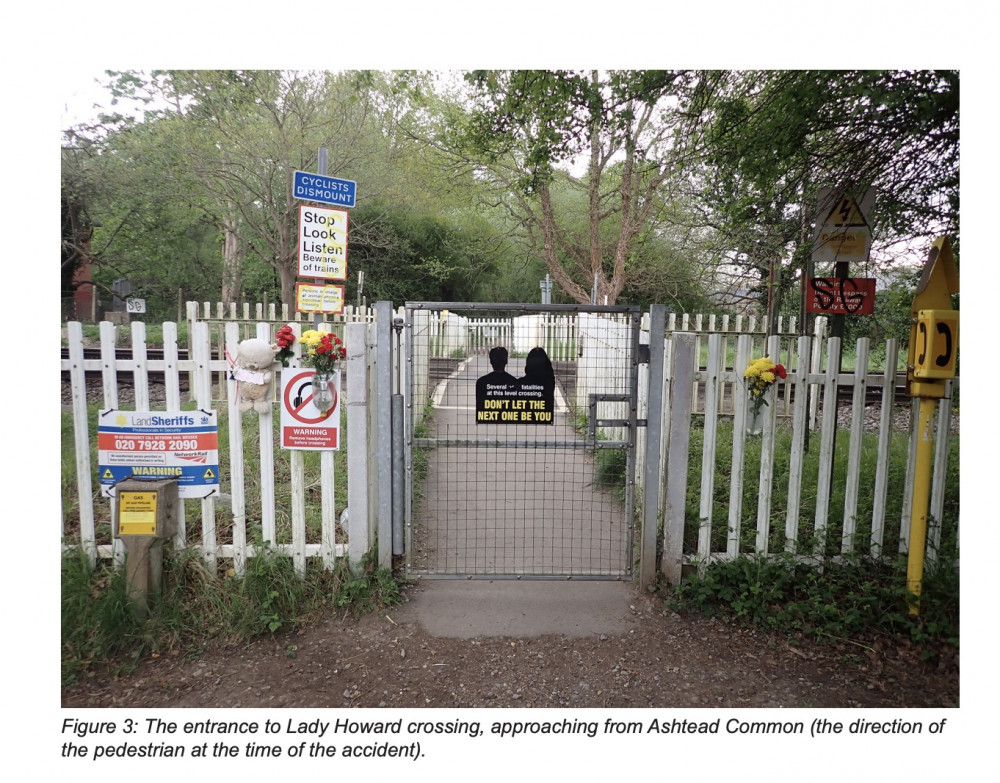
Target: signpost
{"points": [[843, 237], [322, 239]]}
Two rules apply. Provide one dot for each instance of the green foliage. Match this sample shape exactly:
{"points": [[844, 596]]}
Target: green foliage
{"points": [[556, 114], [409, 254], [368, 590], [768, 140], [528, 135], [891, 319], [833, 594], [610, 471], [270, 595], [197, 607], [98, 619], [845, 599], [475, 196]]}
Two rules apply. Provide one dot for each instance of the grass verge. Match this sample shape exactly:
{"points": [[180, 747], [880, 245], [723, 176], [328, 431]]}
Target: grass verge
{"points": [[850, 599], [195, 608]]}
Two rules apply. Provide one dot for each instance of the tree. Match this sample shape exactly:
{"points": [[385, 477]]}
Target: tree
{"points": [[77, 228], [232, 141], [760, 144], [140, 229], [414, 254], [525, 126]]}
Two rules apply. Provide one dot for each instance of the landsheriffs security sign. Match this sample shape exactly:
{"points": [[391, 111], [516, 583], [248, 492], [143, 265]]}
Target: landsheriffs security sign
{"points": [[181, 445]]}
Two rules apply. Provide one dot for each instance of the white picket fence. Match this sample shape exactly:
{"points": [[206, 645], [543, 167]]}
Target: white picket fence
{"points": [[451, 335], [224, 529], [691, 391], [705, 390]]}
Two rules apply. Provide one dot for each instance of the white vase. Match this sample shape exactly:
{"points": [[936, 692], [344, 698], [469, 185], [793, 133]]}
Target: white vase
{"points": [[755, 420]]}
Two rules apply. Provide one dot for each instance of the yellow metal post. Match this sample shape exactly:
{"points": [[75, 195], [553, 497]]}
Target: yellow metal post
{"points": [[921, 500], [931, 361]]}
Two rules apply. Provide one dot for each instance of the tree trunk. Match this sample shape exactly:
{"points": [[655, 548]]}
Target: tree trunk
{"points": [[288, 273], [232, 264]]}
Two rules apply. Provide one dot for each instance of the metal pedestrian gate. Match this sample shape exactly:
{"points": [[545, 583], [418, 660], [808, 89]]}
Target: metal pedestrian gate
{"points": [[520, 440]]}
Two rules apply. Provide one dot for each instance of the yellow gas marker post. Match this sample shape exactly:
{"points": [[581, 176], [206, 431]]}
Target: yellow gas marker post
{"points": [[147, 516], [930, 363]]}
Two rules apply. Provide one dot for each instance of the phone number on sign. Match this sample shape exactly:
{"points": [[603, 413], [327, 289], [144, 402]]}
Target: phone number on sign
{"points": [[125, 444]]}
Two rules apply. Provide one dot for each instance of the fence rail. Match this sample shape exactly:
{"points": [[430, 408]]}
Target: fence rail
{"points": [[225, 529], [730, 510], [718, 530]]}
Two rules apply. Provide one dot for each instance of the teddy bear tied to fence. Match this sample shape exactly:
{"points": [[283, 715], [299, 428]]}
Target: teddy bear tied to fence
{"points": [[253, 373]]}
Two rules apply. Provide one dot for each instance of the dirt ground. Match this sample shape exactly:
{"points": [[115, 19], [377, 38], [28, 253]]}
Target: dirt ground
{"points": [[661, 659]]}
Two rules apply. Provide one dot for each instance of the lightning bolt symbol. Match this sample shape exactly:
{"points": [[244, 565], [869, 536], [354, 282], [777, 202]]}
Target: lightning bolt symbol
{"points": [[845, 210]]}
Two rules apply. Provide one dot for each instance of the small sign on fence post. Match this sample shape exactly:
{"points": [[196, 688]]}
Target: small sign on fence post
{"points": [[146, 517], [303, 426]]}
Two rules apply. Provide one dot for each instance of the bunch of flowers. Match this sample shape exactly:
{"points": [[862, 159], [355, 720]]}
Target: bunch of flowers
{"points": [[325, 349], [284, 339], [760, 375]]}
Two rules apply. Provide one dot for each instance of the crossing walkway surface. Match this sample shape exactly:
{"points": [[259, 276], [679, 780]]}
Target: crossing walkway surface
{"points": [[525, 508], [467, 609], [512, 499]]}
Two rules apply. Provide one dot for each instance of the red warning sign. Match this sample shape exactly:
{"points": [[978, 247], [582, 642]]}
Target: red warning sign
{"points": [[303, 426], [841, 296]]}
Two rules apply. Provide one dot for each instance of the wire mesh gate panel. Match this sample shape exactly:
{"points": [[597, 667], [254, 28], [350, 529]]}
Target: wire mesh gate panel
{"points": [[520, 440]]}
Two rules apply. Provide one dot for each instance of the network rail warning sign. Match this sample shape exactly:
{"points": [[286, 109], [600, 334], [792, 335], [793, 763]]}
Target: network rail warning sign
{"points": [[181, 445], [841, 296]]}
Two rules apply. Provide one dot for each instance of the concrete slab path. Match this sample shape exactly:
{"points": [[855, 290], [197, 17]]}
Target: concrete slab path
{"points": [[467, 609]]}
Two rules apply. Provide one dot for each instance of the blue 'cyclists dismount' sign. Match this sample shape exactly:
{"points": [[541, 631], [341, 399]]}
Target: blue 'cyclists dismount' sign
{"points": [[325, 190]]}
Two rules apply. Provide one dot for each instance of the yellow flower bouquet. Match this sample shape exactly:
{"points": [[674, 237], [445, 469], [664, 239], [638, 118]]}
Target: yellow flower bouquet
{"points": [[760, 375]]}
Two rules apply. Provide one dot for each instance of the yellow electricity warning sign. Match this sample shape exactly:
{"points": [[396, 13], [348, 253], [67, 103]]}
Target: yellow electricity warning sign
{"points": [[846, 212], [137, 513]]}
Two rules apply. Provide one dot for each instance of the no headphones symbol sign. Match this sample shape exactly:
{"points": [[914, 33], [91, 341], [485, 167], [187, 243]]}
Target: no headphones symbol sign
{"points": [[303, 426]]}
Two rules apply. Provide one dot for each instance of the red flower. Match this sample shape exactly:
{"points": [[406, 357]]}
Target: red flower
{"points": [[284, 336], [780, 371]]}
